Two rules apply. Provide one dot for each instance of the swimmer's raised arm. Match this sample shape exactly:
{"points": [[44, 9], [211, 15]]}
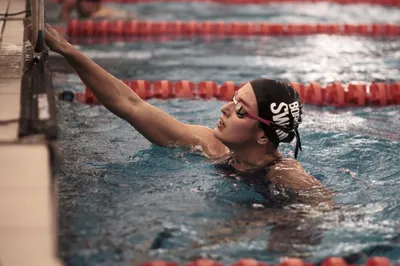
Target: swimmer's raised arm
{"points": [[153, 123]]}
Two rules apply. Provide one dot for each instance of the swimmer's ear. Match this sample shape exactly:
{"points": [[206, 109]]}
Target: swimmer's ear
{"points": [[263, 140], [261, 137]]}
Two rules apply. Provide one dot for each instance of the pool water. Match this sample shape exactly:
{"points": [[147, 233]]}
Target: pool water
{"points": [[120, 196], [322, 12], [124, 200], [319, 58]]}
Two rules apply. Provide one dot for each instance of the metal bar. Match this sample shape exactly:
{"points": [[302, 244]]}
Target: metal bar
{"points": [[38, 31], [34, 12]]}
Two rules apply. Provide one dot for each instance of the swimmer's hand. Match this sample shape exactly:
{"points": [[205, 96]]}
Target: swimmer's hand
{"points": [[54, 40]]}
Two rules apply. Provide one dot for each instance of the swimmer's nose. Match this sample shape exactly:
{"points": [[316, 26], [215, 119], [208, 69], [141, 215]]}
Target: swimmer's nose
{"points": [[226, 109]]}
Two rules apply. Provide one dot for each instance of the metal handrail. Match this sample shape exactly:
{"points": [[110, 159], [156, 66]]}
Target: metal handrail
{"points": [[38, 30]]}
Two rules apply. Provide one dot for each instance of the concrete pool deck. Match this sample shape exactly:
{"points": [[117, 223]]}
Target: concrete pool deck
{"points": [[27, 192]]}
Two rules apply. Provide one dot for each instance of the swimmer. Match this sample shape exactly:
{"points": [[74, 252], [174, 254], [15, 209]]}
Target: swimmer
{"points": [[261, 115], [91, 9]]}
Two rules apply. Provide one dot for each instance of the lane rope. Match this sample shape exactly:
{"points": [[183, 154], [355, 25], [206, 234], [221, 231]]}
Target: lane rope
{"points": [[87, 28], [333, 94]]}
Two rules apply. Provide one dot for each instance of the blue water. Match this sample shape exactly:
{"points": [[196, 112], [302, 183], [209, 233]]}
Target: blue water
{"points": [[123, 200], [119, 193]]}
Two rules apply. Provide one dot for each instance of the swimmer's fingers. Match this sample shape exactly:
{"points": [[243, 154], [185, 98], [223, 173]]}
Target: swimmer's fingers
{"points": [[29, 31], [54, 39]]}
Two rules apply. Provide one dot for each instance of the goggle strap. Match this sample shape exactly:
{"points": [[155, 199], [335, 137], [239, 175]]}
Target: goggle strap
{"points": [[298, 143]]}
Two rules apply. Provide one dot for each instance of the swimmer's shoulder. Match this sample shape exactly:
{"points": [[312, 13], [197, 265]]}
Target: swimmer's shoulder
{"points": [[289, 173], [212, 147]]}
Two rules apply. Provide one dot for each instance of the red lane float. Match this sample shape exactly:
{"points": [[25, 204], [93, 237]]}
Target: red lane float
{"points": [[252, 2], [332, 261], [120, 28], [334, 94], [378, 261], [159, 263], [204, 262], [141, 87]]}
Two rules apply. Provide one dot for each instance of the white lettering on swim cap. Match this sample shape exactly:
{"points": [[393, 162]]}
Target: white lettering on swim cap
{"points": [[281, 119], [281, 116], [295, 110], [275, 110], [281, 134]]}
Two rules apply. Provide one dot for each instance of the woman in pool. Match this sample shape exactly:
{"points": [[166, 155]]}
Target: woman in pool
{"points": [[90, 9], [262, 114]]}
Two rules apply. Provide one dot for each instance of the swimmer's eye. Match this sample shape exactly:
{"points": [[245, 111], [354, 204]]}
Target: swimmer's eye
{"points": [[240, 112]]}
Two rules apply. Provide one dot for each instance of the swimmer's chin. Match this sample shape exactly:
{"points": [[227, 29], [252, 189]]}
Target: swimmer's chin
{"points": [[218, 136], [216, 133]]}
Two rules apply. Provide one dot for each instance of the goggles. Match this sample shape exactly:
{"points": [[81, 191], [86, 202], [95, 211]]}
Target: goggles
{"points": [[242, 111]]}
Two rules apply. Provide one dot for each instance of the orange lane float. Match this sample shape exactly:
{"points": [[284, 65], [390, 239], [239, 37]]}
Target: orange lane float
{"points": [[334, 94], [332, 261], [121, 28], [259, 2]]}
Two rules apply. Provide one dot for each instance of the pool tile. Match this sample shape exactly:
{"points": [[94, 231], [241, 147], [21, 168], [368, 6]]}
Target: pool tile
{"points": [[9, 106], [35, 171], [13, 32], [27, 206], [15, 6], [9, 132], [28, 246], [10, 86]]}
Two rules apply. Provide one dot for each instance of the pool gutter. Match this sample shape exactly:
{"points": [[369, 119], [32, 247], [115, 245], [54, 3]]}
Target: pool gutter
{"points": [[28, 153]]}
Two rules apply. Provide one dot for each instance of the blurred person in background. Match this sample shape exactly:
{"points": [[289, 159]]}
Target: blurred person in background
{"points": [[91, 9]]}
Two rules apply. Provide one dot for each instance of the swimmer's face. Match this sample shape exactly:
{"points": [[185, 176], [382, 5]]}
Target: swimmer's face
{"points": [[235, 130]]}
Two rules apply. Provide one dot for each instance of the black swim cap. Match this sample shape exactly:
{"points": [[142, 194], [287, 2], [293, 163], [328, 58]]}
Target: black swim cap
{"points": [[278, 102]]}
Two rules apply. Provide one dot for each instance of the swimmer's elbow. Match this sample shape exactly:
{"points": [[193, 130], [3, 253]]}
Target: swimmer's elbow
{"points": [[133, 98]]}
